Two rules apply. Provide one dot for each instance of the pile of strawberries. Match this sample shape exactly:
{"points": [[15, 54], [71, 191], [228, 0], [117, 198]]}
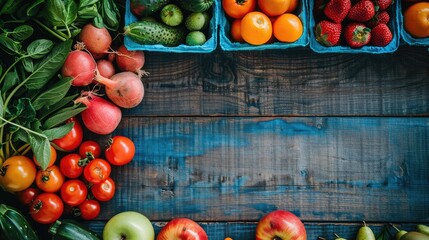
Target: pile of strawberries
{"points": [[355, 23]]}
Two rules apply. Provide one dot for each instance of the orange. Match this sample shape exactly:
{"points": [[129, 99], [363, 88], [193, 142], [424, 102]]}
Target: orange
{"points": [[273, 7], [236, 30], [292, 5], [256, 28], [416, 20], [287, 28]]}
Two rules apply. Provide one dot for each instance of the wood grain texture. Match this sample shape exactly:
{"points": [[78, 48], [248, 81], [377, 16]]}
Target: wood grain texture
{"points": [[289, 83], [239, 168]]}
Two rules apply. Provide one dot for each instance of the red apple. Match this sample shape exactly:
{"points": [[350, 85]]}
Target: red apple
{"points": [[182, 229], [280, 225]]}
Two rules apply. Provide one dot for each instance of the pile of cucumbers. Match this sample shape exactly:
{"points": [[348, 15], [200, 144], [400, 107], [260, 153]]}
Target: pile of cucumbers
{"points": [[170, 22]]}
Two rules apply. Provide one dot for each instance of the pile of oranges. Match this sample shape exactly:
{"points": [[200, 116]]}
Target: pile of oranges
{"points": [[259, 22]]}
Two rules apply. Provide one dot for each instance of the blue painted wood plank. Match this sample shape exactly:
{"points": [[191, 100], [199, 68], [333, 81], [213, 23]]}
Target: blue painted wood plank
{"points": [[239, 168]]}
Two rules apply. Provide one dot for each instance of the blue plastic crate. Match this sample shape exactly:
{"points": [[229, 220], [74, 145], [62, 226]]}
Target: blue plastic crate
{"points": [[209, 46], [407, 38], [228, 45], [391, 47]]}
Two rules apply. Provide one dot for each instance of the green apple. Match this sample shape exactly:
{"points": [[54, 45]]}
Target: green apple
{"points": [[129, 225]]}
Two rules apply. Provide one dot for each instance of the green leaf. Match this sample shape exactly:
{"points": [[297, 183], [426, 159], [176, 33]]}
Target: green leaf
{"points": [[11, 6], [88, 12], [22, 32], [48, 110], [54, 94], [22, 111], [49, 66], [62, 115], [39, 144], [110, 14], [61, 12], [39, 48], [1, 106], [9, 45], [28, 64], [10, 81], [85, 3], [34, 8], [58, 132]]}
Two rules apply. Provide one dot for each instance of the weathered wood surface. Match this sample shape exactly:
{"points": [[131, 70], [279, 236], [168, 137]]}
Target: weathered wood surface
{"points": [[239, 168], [292, 82]]}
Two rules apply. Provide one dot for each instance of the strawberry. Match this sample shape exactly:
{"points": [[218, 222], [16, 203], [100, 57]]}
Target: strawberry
{"points": [[381, 35], [380, 17], [382, 4], [328, 33], [336, 10], [362, 11], [356, 34]]}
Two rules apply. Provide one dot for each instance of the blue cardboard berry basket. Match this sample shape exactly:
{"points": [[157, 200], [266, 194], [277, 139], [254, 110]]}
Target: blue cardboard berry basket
{"points": [[227, 44], [406, 37], [390, 48], [209, 46]]}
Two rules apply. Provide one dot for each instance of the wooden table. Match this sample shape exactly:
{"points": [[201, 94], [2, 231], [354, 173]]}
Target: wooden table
{"points": [[226, 137]]}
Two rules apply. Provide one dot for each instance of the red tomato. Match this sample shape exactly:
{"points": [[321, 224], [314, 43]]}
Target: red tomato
{"points": [[46, 208], [27, 196], [72, 139], [97, 170], [104, 191], [74, 192], [71, 165], [91, 147], [120, 151], [238, 8], [50, 180], [89, 209]]}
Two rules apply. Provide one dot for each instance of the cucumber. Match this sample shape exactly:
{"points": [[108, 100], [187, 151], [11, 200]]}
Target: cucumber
{"points": [[68, 229], [196, 5], [144, 8], [150, 33], [13, 225]]}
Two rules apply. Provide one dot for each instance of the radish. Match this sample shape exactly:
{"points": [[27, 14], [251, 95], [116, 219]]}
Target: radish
{"points": [[105, 68], [125, 89], [100, 116], [80, 66], [96, 40], [132, 61]]}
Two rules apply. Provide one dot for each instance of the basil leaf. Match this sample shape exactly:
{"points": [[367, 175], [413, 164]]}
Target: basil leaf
{"points": [[61, 12], [86, 3], [58, 132], [9, 45], [22, 111], [10, 6], [110, 14], [54, 94], [28, 64], [49, 66], [21, 32], [88, 12], [34, 8], [41, 149], [98, 21], [48, 110], [62, 115], [10, 81], [39, 48]]}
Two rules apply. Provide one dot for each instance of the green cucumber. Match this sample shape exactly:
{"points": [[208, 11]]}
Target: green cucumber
{"points": [[68, 229], [196, 5], [150, 33], [13, 225]]}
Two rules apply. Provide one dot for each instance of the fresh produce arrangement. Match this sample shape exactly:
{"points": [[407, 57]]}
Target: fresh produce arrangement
{"points": [[170, 23], [353, 23], [264, 21]]}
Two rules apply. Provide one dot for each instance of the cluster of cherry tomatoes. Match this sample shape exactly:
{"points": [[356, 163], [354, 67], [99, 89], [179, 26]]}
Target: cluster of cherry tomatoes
{"points": [[77, 181], [259, 22]]}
